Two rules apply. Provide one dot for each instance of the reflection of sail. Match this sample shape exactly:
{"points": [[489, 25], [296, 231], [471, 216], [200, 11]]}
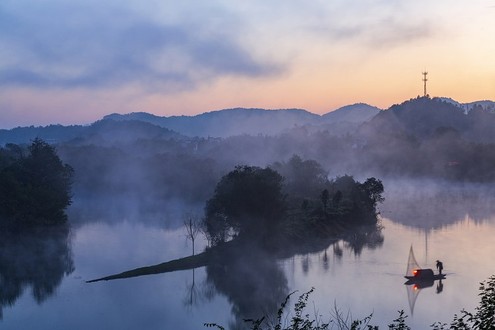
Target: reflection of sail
{"points": [[412, 290], [412, 295], [412, 264]]}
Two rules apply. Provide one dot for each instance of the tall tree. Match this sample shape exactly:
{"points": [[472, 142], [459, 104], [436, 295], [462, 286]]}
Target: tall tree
{"points": [[192, 227], [247, 202], [303, 178], [35, 189]]}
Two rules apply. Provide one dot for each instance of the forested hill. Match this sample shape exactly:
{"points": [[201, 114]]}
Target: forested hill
{"points": [[221, 123], [240, 121], [224, 123], [420, 138], [102, 132], [421, 117], [425, 118]]}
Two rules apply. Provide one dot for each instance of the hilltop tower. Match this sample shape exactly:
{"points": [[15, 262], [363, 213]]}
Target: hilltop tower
{"points": [[424, 83]]}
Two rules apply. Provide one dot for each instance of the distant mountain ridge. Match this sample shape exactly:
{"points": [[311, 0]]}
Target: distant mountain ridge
{"points": [[354, 113], [102, 132], [487, 105], [252, 121], [220, 123], [475, 120], [224, 123]]}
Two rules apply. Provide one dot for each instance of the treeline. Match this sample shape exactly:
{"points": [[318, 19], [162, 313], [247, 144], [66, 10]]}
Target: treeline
{"points": [[420, 138], [34, 186], [188, 169], [150, 166], [145, 169]]}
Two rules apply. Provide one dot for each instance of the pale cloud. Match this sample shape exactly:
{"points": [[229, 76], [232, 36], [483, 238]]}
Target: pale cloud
{"points": [[372, 24], [74, 61], [70, 45]]}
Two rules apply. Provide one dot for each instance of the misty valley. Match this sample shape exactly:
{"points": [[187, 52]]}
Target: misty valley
{"points": [[151, 222]]}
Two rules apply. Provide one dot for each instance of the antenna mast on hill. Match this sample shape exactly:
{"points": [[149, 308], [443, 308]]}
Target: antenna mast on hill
{"points": [[424, 83]]}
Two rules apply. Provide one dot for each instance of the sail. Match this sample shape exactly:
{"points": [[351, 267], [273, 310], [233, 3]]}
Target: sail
{"points": [[412, 264]]}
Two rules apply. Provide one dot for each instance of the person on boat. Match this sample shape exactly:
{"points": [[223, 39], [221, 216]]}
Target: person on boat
{"points": [[439, 267]]}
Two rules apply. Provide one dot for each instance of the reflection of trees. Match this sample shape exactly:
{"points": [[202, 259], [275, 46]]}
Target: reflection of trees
{"points": [[252, 280], [192, 295], [37, 259], [429, 205], [366, 236], [249, 275]]}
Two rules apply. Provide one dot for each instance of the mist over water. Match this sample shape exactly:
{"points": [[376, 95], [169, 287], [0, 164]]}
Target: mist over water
{"points": [[453, 223], [130, 198], [434, 204]]}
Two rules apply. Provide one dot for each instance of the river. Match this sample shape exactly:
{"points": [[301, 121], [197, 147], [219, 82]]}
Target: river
{"points": [[455, 224]]}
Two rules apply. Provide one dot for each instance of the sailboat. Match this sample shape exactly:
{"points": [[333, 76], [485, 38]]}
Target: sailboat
{"points": [[422, 277], [419, 278]]}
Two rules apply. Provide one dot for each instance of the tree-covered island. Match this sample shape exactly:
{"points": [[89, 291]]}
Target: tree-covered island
{"points": [[291, 201], [284, 209]]}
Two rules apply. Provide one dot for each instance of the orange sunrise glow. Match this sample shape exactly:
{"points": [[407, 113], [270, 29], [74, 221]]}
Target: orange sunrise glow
{"points": [[186, 59]]}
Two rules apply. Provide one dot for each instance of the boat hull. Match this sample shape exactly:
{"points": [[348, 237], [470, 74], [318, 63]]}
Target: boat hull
{"points": [[424, 276]]}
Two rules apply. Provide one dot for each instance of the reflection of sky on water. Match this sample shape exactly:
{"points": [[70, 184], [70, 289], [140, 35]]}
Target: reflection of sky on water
{"points": [[373, 281], [370, 282], [152, 302], [428, 204]]}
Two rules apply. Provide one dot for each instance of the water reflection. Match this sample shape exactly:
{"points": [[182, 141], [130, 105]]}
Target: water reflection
{"points": [[192, 295], [105, 245], [251, 278], [439, 286], [413, 290], [370, 237], [253, 282], [38, 259], [430, 205]]}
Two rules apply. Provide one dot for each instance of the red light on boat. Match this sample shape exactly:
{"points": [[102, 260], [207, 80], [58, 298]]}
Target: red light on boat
{"points": [[415, 272]]}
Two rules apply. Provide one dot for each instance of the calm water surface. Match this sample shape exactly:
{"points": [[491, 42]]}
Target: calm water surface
{"points": [[456, 226]]}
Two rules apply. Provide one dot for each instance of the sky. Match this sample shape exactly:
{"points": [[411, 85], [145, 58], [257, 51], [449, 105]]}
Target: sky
{"points": [[74, 61]]}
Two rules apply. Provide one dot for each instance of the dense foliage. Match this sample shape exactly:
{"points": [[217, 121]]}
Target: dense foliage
{"points": [[484, 315], [34, 185], [248, 201], [260, 204]]}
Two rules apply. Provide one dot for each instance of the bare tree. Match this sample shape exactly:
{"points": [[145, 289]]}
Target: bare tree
{"points": [[193, 228]]}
